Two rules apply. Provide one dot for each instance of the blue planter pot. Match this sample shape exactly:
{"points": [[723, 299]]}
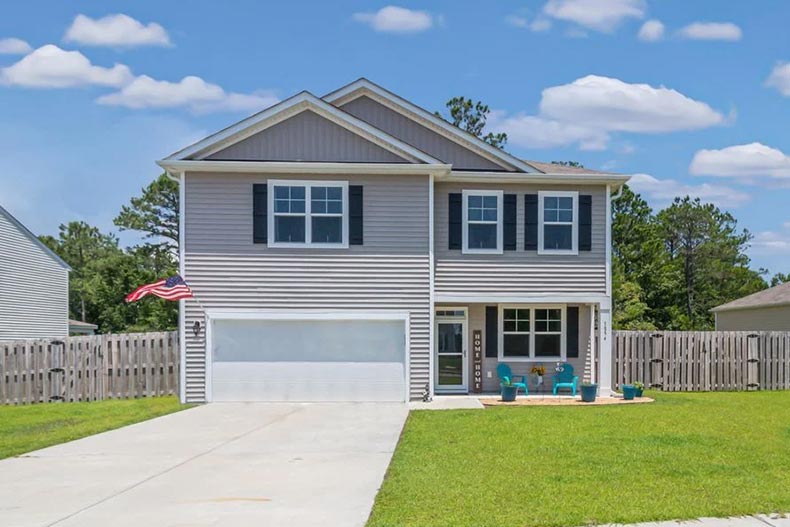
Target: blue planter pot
{"points": [[629, 392], [509, 393], [589, 392], [639, 392]]}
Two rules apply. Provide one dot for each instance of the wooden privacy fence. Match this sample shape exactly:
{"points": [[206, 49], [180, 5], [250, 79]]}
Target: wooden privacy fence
{"points": [[703, 360], [89, 368]]}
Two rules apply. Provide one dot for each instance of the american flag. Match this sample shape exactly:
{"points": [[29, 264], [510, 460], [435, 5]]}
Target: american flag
{"points": [[174, 288]]}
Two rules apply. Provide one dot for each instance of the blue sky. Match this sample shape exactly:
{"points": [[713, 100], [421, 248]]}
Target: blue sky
{"points": [[692, 96]]}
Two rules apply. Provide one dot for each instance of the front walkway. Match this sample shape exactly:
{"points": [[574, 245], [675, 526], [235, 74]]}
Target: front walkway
{"points": [[229, 464], [757, 520]]}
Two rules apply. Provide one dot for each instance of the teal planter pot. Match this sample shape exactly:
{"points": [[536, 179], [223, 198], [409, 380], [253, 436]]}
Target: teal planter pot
{"points": [[589, 392], [629, 392], [639, 392], [509, 393]]}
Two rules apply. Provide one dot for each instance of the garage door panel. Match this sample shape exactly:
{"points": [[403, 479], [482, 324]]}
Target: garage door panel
{"points": [[298, 360]]}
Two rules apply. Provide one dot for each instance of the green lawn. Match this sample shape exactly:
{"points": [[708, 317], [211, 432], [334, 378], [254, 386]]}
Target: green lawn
{"points": [[27, 428], [684, 456]]}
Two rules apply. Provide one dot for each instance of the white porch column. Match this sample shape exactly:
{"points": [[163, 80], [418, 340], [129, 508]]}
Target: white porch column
{"points": [[605, 351]]}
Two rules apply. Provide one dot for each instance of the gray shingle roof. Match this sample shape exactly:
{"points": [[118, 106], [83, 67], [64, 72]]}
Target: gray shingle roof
{"points": [[554, 168], [775, 296]]}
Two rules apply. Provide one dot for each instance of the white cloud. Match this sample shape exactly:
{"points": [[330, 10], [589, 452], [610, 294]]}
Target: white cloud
{"points": [[780, 78], [663, 191], [14, 46], [517, 21], [711, 31], [588, 110], [190, 92], [772, 242], [742, 161], [651, 31], [599, 15], [115, 30], [614, 105], [537, 25], [51, 67], [394, 19], [529, 131]]}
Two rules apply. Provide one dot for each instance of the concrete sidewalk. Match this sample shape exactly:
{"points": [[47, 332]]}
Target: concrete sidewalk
{"points": [[757, 520], [230, 464]]}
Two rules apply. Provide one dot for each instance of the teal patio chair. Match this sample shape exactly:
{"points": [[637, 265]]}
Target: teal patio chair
{"points": [[505, 375], [564, 379]]}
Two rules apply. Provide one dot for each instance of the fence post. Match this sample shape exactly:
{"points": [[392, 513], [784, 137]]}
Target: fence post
{"points": [[753, 362], [657, 361]]}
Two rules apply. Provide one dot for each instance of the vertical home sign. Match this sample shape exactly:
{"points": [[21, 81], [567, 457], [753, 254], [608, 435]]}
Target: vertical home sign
{"points": [[477, 361]]}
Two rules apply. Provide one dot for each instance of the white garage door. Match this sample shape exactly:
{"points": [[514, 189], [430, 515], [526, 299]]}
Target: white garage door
{"points": [[308, 360]]}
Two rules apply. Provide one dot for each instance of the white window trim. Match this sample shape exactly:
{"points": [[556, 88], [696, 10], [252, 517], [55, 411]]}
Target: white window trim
{"points": [[563, 356], [574, 227], [465, 235], [307, 214]]}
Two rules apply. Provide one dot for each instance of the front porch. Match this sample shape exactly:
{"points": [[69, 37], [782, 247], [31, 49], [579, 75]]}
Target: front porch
{"points": [[472, 339]]}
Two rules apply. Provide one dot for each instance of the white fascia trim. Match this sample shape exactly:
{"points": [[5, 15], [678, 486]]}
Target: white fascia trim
{"points": [[288, 167], [527, 298], [453, 133], [302, 101], [561, 179], [306, 314]]}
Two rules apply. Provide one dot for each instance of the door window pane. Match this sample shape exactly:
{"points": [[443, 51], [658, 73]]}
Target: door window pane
{"points": [[450, 370], [450, 338]]}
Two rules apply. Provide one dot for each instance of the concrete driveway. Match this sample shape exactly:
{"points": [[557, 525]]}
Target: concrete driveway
{"points": [[229, 464]]}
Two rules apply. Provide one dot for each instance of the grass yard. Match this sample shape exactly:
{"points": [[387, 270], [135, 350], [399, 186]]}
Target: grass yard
{"points": [[27, 428], [684, 456]]}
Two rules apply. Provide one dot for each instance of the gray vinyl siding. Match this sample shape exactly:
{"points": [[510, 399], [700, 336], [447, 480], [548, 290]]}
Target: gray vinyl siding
{"points": [[227, 271], [34, 288], [519, 271], [582, 365], [409, 131], [769, 318], [307, 137]]}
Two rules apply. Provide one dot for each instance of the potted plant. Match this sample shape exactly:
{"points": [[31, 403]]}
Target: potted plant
{"points": [[629, 392], [589, 392], [509, 391], [538, 372], [640, 388]]}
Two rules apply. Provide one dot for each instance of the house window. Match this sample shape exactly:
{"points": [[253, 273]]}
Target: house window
{"points": [[308, 214], [532, 333], [558, 223], [482, 221]]}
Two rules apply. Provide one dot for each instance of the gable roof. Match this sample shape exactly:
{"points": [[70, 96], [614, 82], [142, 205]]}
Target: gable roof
{"points": [[294, 105], [775, 296], [33, 238], [363, 86]]}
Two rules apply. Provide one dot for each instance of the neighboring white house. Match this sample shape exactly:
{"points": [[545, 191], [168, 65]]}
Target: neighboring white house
{"points": [[34, 285], [767, 310], [77, 327]]}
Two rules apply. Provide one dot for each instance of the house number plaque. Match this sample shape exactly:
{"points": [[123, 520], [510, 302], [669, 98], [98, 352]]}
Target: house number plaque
{"points": [[477, 361]]}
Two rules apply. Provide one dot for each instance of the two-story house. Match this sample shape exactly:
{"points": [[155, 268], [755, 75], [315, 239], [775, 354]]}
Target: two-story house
{"points": [[357, 247]]}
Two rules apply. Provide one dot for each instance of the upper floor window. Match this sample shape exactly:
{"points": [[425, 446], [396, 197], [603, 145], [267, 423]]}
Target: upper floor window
{"points": [[482, 221], [308, 214], [558, 219]]}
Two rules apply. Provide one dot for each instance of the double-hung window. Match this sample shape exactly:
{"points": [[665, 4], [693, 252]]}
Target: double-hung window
{"points": [[532, 333], [482, 221], [308, 214], [558, 219]]}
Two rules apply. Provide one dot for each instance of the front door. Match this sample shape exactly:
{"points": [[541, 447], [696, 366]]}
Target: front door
{"points": [[451, 370]]}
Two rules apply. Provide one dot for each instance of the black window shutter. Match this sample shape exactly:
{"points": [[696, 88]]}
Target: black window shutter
{"points": [[260, 205], [531, 222], [509, 222], [572, 332], [585, 223], [492, 331], [355, 216], [455, 221]]}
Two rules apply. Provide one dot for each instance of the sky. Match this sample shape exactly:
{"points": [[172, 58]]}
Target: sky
{"points": [[689, 97]]}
